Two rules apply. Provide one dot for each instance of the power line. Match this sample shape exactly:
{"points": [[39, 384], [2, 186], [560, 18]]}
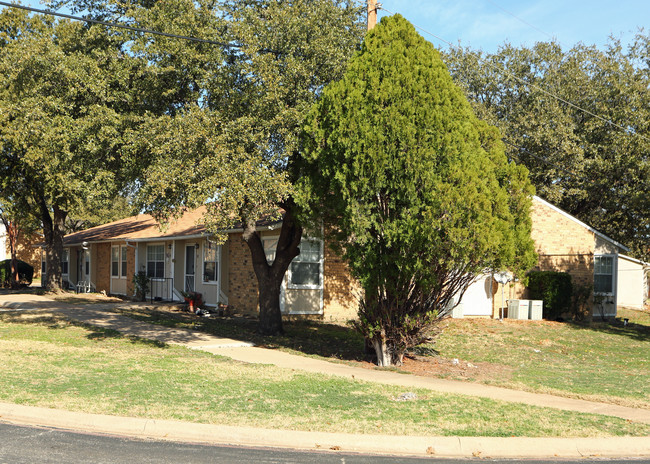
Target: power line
{"points": [[627, 130], [119, 26], [520, 20]]}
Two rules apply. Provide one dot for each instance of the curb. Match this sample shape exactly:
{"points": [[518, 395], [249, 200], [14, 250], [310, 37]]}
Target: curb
{"points": [[211, 434]]}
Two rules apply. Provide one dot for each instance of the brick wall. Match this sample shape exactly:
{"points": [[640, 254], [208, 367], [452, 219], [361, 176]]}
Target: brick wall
{"points": [[242, 283], [102, 267], [562, 245], [130, 270], [341, 291], [26, 251]]}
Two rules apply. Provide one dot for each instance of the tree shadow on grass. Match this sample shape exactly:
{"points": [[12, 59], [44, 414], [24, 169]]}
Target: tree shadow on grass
{"points": [[58, 322], [306, 336], [617, 326]]}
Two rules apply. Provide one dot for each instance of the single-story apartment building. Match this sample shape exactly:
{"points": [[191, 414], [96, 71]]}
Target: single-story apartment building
{"points": [[183, 257], [564, 243]]}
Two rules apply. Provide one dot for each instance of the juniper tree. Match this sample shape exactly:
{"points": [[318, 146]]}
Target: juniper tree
{"points": [[416, 190]]}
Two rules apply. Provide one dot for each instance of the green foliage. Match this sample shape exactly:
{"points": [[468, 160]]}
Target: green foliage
{"points": [[555, 289], [417, 190], [70, 94], [593, 164], [229, 143], [25, 272], [141, 283]]}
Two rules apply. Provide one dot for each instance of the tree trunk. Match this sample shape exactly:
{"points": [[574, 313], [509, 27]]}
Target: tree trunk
{"points": [[386, 354], [270, 276], [53, 230]]}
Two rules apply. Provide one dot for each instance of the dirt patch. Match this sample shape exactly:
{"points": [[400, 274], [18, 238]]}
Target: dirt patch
{"points": [[453, 369]]}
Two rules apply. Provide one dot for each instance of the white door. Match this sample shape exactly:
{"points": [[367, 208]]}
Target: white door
{"points": [[190, 265]]}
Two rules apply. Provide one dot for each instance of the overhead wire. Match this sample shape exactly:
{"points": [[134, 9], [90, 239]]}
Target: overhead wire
{"points": [[118, 25], [520, 20], [628, 130]]}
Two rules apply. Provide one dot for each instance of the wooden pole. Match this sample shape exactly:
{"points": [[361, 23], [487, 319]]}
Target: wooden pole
{"points": [[372, 13]]}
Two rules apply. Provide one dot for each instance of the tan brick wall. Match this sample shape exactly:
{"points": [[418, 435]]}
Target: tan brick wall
{"points": [[341, 291], [242, 283], [562, 245], [130, 270], [102, 267], [26, 251]]}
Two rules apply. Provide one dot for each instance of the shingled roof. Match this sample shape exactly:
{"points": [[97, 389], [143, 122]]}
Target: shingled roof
{"points": [[144, 227]]}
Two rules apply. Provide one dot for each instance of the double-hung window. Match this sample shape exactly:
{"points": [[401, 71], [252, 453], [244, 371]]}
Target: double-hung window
{"points": [[604, 275], [210, 262], [115, 261], [65, 262], [123, 261], [118, 261], [156, 261], [305, 270]]}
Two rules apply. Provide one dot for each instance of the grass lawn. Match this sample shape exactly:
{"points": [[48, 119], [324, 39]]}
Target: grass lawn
{"points": [[51, 362], [606, 362], [600, 361]]}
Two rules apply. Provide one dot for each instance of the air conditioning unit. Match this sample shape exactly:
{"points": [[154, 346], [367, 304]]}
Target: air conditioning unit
{"points": [[518, 309], [536, 309], [457, 312]]}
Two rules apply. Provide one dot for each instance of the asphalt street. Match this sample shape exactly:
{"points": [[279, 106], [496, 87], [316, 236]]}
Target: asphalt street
{"points": [[28, 445]]}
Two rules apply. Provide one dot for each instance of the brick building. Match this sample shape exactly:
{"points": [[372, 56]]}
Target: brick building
{"points": [[182, 257]]}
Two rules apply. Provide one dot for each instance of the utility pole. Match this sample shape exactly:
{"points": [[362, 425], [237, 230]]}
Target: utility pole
{"points": [[372, 13]]}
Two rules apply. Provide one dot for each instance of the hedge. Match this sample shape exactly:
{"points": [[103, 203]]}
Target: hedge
{"points": [[25, 273], [554, 288]]}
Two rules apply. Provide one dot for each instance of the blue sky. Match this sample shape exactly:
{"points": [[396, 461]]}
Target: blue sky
{"points": [[482, 24]]}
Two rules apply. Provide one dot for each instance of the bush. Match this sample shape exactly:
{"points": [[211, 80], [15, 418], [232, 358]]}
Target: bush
{"points": [[554, 288], [141, 283], [25, 273]]}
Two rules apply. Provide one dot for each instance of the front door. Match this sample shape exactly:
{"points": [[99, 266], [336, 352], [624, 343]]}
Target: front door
{"points": [[190, 255]]}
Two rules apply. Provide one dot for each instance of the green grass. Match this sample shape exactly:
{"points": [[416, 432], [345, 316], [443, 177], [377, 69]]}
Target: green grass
{"points": [[606, 362], [600, 361], [51, 362]]}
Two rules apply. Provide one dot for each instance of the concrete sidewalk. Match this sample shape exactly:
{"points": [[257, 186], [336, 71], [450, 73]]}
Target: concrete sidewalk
{"points": [[99, 315]]}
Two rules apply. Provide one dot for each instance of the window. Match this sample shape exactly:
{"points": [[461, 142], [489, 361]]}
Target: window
{"points": [[65, 262], [156, 261], [123, 257], [270, 244], [115, 261], [604, 274], [210, 262], [305, 269]]}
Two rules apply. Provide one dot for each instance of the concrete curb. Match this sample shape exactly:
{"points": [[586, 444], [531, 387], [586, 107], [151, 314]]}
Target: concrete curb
{"points": [[368, 444]]}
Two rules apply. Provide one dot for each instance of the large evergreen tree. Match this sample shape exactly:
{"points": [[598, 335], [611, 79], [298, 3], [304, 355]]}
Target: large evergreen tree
{"points": [[417, 190], [232, 143]]}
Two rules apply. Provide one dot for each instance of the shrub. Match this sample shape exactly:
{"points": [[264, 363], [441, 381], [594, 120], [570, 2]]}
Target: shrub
{"points": [[141, 283], [554, 288], [25, 273]]}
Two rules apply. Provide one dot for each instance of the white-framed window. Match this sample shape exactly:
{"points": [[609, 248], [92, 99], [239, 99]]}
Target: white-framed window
{"points": [[115, 261], [210, 262], [270, 244], [118, 261], [156, 261], [65, 262], [123, 252], [305, 270], [604, 275]]}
